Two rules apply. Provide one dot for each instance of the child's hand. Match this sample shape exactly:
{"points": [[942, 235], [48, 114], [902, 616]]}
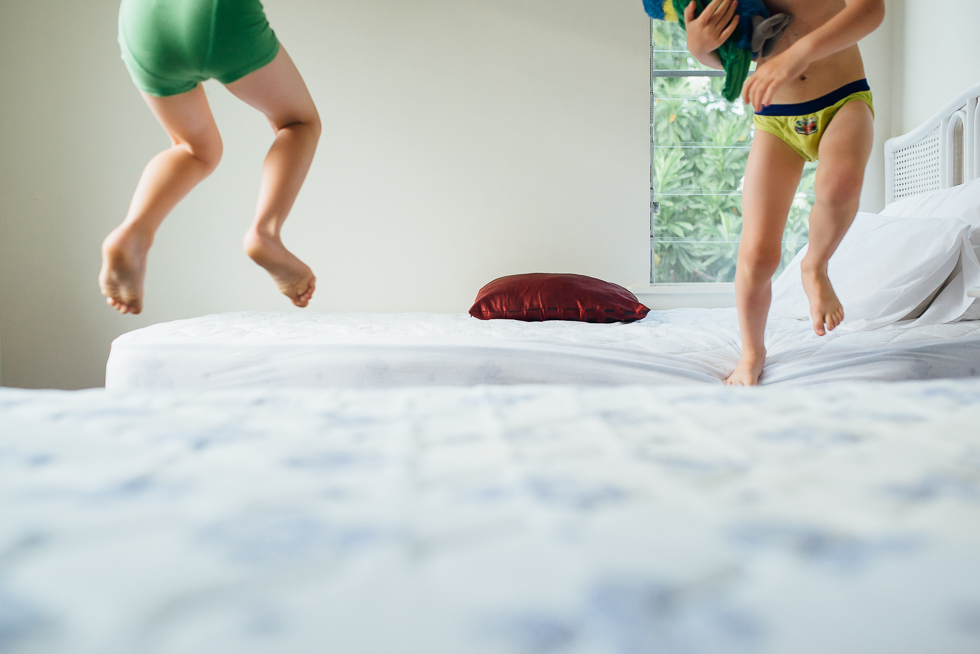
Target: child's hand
{"points": [[712, 28], [762, 84]]}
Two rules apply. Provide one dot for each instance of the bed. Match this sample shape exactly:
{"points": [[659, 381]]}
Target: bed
{"points": [[926, 169], [549, 519], [284, 350]]}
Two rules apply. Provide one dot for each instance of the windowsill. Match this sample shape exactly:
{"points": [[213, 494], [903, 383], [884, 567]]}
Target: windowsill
{"points": [[685, 296]]}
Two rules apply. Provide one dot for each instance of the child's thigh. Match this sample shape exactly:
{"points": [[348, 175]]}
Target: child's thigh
{"points": [[772, 177], [844, 152], [188, 120], [278, 91]]}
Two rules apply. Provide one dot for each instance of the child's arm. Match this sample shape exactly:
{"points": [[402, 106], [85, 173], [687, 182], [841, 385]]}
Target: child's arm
{"points": [[707, 32], [858, 19]]}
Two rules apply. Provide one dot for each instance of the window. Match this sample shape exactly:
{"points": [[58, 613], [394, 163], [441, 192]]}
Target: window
{"points": [[699, 147]]}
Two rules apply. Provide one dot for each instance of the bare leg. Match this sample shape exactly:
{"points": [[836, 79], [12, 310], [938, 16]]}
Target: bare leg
{"points": [[166, 180], [278, 91], [844, 152], [772, 176]]}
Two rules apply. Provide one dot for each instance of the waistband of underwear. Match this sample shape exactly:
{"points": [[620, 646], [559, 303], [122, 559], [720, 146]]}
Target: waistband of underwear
{"points": [[813, 106]]}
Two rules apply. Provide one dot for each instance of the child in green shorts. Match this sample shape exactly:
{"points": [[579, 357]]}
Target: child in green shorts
{"points": [[170, 47]]}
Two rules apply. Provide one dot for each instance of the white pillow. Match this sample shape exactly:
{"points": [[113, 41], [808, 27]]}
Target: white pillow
{"points": [[885, 268], [961, 202]]}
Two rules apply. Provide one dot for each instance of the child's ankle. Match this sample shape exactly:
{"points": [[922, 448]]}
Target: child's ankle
{"points": [[811, 269], [265, 229], [135, 234]]}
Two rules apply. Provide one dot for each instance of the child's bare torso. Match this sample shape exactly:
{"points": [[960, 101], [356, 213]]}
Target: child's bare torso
{"points": [[824, 75]]}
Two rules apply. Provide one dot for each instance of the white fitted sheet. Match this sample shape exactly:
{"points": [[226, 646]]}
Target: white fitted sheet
{"points": [[268, 350], [508, 520]]}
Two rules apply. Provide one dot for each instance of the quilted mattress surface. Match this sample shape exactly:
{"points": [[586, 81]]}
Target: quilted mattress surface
{"points": [[840, 519], [268, 350]]}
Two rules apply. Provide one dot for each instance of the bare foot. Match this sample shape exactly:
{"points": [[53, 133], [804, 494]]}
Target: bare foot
{"points": [[293, 277], [123, 269], [825, 308], [748, 371]]}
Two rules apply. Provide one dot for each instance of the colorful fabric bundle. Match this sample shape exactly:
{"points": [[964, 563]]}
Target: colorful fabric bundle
{"points": [[756, 34]]}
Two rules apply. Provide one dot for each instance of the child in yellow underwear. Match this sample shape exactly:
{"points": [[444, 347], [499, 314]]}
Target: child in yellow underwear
{"points": [[801, 125], [812, 101], [170, 47]]}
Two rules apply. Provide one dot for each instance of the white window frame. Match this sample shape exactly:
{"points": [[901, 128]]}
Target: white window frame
{"points": [[708, 295]]}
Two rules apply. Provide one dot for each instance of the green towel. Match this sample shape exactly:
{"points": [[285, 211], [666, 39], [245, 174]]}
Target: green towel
{"points": [[735, 60]]}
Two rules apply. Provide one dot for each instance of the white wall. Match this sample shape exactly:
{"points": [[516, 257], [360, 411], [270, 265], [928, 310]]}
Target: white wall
{"points": [[923, 56], [877, 53], [464, 140], [938, 55]]}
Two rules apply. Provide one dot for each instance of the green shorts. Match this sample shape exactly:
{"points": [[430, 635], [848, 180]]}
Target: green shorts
{"points": [[802, 126], [170, 46]]}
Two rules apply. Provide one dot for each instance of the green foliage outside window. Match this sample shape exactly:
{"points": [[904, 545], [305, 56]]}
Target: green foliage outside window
{"points": [[701, 145]]}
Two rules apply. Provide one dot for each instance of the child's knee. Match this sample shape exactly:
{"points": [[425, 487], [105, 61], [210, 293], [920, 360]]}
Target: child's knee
{"points": [[841, 187], [760, 262], [305, 123], [208, 151], [315, 125], [312, 127]]}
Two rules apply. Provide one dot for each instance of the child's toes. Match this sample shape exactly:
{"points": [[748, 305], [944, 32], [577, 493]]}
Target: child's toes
{"points": [[308, 293], [836, 319], [303, 299]]}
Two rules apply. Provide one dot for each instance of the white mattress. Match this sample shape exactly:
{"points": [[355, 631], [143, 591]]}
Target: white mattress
{"points": [[262, 350], [508, 520]]}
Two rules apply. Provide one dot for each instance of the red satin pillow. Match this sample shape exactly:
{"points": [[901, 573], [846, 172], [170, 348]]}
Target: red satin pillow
{"points": [[540, 296]]}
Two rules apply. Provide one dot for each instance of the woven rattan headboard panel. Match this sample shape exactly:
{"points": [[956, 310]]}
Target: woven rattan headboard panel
{"points": [[942, 152]]}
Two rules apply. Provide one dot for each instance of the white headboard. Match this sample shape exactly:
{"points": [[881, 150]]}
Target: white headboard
{"points": [[942, 152]]}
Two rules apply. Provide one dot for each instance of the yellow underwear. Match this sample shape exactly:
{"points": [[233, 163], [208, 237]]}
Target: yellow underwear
{"points": [[801, 126]]}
